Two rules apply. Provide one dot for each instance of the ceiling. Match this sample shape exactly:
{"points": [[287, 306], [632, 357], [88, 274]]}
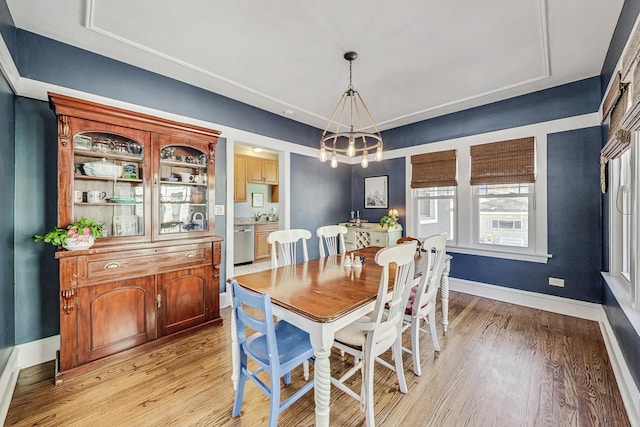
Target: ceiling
{"points": [[416, 59]]}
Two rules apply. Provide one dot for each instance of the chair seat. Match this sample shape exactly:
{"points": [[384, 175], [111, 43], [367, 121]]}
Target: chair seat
{"points": [[352, 336], [291, 341], [412, 297]]}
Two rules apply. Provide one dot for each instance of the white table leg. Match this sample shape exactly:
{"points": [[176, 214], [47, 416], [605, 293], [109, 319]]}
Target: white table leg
{"points": [[444, 294], [322, 376]]}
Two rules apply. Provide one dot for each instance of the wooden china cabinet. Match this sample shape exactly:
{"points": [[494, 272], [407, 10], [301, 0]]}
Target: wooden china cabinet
{"points": [[156, 273]]}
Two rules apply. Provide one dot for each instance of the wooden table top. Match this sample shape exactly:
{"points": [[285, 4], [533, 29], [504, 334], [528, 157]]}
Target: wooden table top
{"points": [[322, 289]]}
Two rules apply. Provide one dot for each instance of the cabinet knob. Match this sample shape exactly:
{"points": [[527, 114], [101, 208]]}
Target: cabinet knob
{"points": [[111, 265]]}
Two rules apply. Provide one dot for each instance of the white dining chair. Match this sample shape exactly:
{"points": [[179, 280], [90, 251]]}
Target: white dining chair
{"points": [[370, 336], [331, 236], [422, 299], [284, 246]]}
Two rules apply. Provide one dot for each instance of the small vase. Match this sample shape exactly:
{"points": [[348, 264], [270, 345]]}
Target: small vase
{"points": [[75, 244]]}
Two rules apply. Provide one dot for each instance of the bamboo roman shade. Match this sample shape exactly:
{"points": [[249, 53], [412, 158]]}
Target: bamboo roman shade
{"points": [[622, 118], [612, 96], [437, 169], [504, 162]]}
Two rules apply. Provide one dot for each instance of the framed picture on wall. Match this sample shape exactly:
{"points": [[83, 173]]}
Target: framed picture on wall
{"points": [[376, 192], [257, 200]]}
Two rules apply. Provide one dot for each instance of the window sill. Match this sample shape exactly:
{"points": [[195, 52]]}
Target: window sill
{"points": [[620, 291], [493, 253]]}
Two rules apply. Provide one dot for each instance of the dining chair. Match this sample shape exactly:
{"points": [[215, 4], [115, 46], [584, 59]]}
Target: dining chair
{"points": [[286, 241], [371, 335], [410, 239], [331, 236], [422, 299], [276, 347]]}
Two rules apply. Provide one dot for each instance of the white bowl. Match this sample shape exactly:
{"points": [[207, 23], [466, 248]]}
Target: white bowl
{"points": [[102, 168]]}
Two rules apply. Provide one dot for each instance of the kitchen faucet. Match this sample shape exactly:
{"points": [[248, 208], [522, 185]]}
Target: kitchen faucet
{"points": [[258, 215]]}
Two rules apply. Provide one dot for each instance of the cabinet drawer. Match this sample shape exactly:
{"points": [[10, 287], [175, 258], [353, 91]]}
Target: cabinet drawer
{"points": [[378, 239], [142, 262]]}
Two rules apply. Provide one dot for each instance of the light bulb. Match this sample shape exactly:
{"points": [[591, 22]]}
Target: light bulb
{"points": [[334, 161], [323, 155], [351, 149], [365, 161], [379, 154]]}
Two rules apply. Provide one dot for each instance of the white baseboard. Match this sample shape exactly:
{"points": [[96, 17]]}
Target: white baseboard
{"points": [[590, 311], [8, 379], [566, 306], [225, 300], [36, 352], [626, 384]]}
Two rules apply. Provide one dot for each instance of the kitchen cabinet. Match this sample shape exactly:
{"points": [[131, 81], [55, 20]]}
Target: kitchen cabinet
{"points": [[155, 274], [240, 178], [262, 171], [262, 249], [371, 235]]}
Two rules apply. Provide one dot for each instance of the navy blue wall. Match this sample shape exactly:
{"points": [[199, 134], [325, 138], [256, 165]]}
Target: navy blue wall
{"points": [[7, 193], [625, 333], [320, 196], [37, 303], [395, 170]]}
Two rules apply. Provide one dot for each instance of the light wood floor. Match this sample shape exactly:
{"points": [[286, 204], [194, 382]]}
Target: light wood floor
{"points": [[500, 365]]}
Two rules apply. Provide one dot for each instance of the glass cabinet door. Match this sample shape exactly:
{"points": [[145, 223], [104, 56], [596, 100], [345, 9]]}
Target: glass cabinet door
{"points": [[108, 182], [183, 190]]}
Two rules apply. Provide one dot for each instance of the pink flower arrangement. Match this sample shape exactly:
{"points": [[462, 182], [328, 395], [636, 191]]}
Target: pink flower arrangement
{"points": [[60, 236]]}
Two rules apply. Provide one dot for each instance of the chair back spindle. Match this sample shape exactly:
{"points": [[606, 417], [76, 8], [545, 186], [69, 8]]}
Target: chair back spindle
{"points": [[284, 243], [331, 236]]}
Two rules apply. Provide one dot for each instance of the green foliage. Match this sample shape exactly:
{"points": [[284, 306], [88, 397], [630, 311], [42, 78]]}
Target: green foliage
{"points": [[388, 220], [82, 230]]}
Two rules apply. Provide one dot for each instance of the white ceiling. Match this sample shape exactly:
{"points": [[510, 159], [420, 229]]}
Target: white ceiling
{"points": [[417, 58]]}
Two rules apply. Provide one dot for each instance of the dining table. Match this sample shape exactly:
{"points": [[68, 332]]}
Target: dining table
{"points": [[322, 296]]}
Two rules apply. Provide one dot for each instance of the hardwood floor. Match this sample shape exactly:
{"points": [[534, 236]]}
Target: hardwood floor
{"points": [[500, 365]]}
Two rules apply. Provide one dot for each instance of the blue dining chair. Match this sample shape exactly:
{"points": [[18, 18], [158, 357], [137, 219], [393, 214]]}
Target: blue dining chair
{"points": [[276, 347]]}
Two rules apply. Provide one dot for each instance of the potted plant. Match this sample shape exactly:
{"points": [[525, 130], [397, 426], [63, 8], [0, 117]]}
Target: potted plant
{"points": [[76, 236], [388, 221]]}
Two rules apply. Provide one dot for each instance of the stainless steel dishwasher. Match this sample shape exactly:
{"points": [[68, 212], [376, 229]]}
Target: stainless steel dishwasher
{"points": [[242, 244]]}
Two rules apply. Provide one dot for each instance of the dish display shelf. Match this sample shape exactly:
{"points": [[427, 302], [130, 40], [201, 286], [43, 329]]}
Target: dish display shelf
{"points": [[108, 182], [184, 203]]}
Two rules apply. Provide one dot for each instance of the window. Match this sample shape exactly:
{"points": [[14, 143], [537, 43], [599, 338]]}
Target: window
{"points": [[502, 214], [623, 226], [435, 209], [623, 206], [498, 205]]}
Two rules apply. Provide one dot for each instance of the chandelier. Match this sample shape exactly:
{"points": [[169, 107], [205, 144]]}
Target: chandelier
{"points": [[355, 141]]}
